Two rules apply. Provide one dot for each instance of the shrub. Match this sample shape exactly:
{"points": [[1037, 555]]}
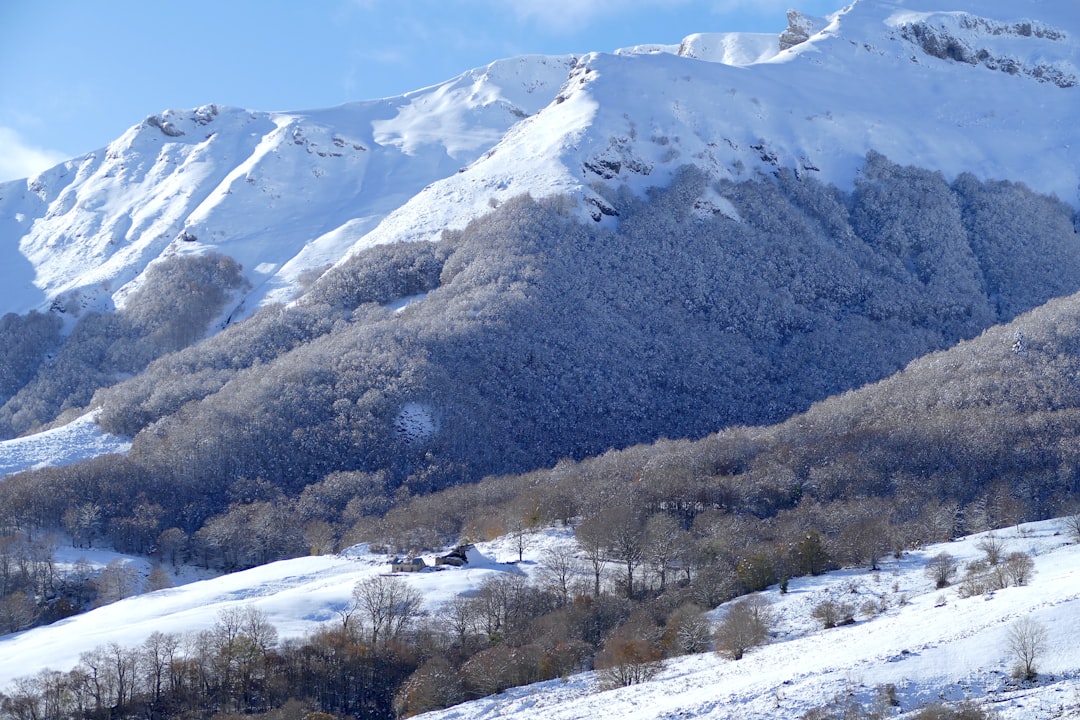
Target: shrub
{"points": [[964, 711], [746, 625], [633, 654], [687, 631], [1018, 567], [941, 568], [832, 613], [992, 546]]}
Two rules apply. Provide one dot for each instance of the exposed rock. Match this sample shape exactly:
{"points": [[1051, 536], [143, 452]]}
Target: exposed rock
{"points": [[940, 41], [800, 28]]}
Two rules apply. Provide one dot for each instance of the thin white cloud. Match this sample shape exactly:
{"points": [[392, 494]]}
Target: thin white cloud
{"points": [[19, 159], [573, 15], [569, 15]]}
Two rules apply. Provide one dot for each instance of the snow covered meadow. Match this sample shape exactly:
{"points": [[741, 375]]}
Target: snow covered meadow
{"points": [[929, 644]]}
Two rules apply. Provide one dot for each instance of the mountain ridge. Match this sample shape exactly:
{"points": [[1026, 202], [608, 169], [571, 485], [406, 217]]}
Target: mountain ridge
{"points": [[406, 168], [275, 190]]}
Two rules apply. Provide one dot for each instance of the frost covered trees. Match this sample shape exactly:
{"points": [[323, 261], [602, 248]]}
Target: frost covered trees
{"points": [[539, 338], [172, 309]]}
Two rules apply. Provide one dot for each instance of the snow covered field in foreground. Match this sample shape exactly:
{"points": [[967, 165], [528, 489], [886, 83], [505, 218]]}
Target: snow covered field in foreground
{"points": [[930, 644], [928, 650]]}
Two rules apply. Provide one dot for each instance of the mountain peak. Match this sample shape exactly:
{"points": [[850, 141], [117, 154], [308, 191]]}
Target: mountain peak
{"points": [[953, 87]]}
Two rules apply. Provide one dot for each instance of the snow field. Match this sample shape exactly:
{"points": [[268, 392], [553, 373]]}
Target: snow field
{"points": [[77, 440]]}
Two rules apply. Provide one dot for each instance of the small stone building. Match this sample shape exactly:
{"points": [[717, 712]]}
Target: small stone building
{"points": [[408, 565]]}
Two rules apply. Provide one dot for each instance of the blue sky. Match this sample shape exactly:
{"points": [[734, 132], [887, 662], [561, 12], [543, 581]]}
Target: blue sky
{"points": [[75, 74]]}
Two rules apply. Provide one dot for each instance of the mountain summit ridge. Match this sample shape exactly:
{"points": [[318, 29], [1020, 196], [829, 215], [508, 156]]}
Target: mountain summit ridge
{"points": [[952, 87]]}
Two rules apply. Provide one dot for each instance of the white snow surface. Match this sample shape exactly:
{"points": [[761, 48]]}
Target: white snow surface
{"points": [[77, 440], [930, 644], [289, 193], [282, 192], [297, 595], [742, 111]]}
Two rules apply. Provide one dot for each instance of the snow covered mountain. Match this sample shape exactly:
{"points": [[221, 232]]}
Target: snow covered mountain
{"points": [[736, 227], [282, 193], [987, 88], [984, 87]]}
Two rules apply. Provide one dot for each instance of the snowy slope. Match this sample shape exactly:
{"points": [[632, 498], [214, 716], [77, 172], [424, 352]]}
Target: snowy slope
{"points": [[282, 192], [985, 86], [929, 643], [77, 440], [296, 595], [868, 80]]}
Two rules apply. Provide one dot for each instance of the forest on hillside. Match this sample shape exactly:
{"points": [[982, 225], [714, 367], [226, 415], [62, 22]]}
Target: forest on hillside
{"points": [[533, 341]]}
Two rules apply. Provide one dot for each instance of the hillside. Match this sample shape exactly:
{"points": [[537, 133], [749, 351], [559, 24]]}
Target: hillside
{"points": [[662, 242], [768, 307], [286, 195], [929, 644]]}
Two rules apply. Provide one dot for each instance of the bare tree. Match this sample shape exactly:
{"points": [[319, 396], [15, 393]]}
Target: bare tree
{"points": [[632, 654], [388, 604], [158, 579], [17, 612], [171, 544], [83, 522], [591, 538], [116, 581], [523, 519], [662, 543], [992, 546], [159, 653], [242, 639], [497, 599], [319, 536], [1026, 641], [866, 540], [1072, 525], [459, 615], [1018, 567], [560, 571], [622, 536], [436, 684]]}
